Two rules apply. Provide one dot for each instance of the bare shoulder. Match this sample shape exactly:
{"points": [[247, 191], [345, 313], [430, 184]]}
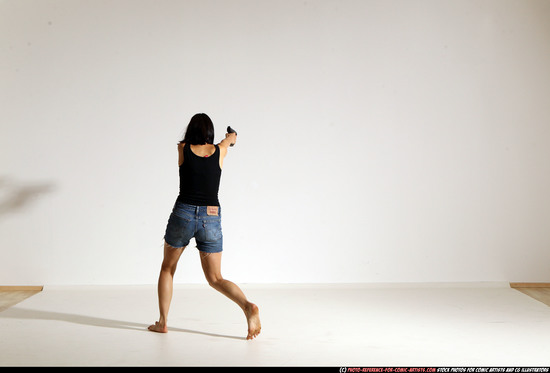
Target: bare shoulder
{"points": [[223, 152], [223, 149]]}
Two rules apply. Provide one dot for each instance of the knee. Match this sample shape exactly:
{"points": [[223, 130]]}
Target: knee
{"points": [[214, 280], [168, 268]]}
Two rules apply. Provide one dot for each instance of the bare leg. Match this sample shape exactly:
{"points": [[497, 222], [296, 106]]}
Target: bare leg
{"points": [[211, 265], [166, 286]]}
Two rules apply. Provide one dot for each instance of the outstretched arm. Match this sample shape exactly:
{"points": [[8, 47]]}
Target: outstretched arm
{"points": [[230, 140]]}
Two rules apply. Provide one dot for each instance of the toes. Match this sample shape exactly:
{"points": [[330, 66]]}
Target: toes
{"points": [[157, 327], [253, 334]]}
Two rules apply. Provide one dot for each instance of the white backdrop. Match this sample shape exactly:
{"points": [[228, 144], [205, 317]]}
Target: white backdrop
{"points": [[379, 141]]}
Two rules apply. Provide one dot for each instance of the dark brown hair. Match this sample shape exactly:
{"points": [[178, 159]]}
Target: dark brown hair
{"points": [[200, 130]]}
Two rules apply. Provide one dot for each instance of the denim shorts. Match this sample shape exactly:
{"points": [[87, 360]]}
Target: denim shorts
{"points": [[188, 221]]}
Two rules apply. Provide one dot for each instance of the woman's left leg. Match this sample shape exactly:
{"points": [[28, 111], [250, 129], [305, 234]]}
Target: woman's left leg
{"points": [[211, 265], [166, 286]]}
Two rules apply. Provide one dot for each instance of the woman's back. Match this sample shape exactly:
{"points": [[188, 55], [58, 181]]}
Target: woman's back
{"points": [[200, 174], [205, 150]]}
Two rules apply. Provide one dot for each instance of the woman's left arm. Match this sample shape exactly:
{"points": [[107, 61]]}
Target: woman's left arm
{"points": [[180, 153]]}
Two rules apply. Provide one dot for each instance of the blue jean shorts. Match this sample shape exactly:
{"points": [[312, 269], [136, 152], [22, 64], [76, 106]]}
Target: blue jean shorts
{"points": [[188, 221]]}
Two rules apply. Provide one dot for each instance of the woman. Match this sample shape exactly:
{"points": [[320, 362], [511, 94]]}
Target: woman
{"points": [[197, 213]]}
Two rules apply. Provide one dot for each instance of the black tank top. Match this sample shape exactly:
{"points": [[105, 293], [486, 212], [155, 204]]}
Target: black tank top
{"points": [[199, 178]]}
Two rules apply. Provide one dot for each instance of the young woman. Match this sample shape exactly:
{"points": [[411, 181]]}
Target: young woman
{"points": [[197, 213]]}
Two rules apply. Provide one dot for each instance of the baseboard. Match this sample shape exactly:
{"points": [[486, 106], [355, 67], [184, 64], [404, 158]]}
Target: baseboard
{"points": [[21, 288], [530, 284], [512, 285]]}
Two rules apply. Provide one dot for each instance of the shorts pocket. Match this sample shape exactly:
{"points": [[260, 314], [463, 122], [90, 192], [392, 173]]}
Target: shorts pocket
{"points": [[178, 231], [212, 230]]}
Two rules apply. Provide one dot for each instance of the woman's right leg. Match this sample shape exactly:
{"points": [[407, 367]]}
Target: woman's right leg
{"points": [[166, 286], [211, 265]]}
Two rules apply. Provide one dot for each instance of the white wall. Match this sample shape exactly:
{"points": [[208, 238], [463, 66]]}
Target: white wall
{"points": [[379, 141]]}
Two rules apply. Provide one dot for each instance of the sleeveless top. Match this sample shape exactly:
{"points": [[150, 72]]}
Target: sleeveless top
{"points": [[199, 178]]}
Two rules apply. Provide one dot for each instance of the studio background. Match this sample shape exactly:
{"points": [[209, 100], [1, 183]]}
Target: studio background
{"points": [[379, 141]]}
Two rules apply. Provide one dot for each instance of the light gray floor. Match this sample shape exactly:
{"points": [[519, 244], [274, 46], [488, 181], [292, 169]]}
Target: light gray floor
{"points": [[302, 325]]}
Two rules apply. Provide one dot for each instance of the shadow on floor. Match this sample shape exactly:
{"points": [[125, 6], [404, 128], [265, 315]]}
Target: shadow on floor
{"points": [[24, 313]]}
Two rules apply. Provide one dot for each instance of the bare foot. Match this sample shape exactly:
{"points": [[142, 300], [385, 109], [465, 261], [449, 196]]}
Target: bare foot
{"points": [[253, 318], [158, 327]]}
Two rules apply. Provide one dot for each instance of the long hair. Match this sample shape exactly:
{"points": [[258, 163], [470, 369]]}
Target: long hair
{"points": [[200, 130]]}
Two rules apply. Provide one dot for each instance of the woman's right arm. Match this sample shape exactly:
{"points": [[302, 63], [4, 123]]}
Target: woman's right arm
{"points": [[230, 138]]}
